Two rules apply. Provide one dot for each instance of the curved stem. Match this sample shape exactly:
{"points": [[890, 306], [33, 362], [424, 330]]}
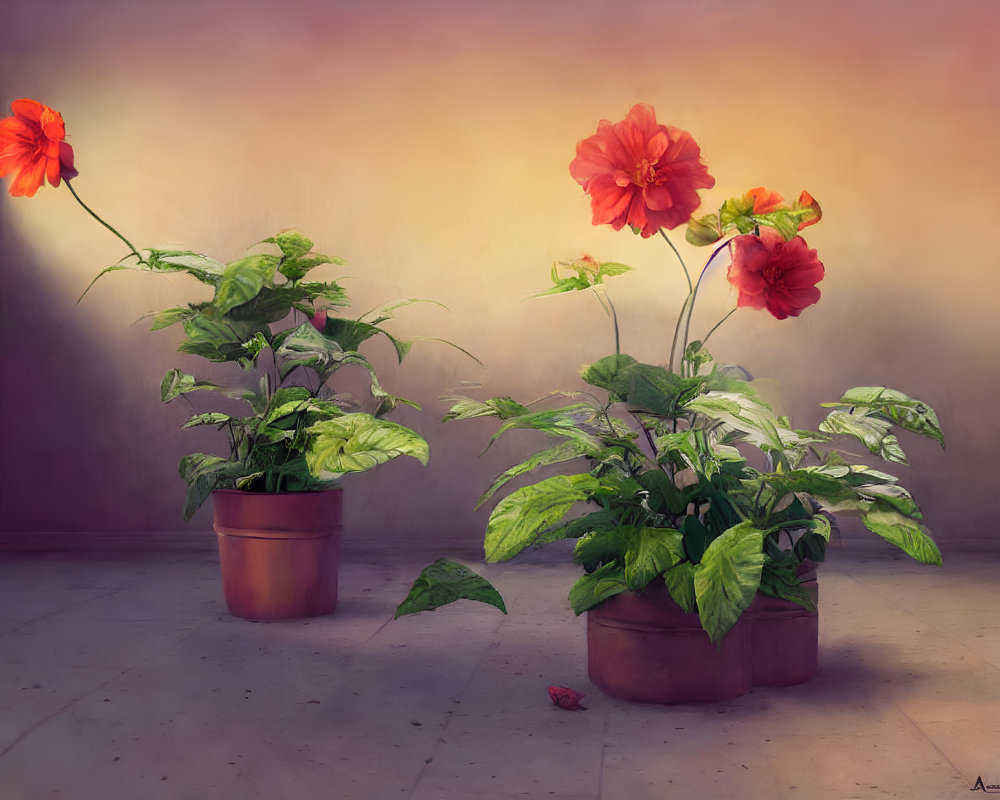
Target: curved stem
{"points": [[690, 305], [105, 224], [718, 324], [687, 275]]}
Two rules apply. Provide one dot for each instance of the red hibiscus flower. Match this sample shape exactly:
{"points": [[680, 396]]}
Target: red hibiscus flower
{"points": [[774, 274], [32, 148], [641, 174]]}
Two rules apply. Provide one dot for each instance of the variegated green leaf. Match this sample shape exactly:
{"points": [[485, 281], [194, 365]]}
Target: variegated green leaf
{"points": [[727, 578], [523, 514], [358, 442]]}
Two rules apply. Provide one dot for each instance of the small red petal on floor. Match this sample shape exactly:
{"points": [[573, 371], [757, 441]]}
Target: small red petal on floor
{"points": [[567, 698]]}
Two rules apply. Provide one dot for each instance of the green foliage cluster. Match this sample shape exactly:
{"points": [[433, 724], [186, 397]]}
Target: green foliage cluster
{"points": [[674, 497], [296, 434]]}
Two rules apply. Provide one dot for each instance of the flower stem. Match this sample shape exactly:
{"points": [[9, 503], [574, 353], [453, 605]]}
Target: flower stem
{"points": [[689, 306], [105, 224], [717, 325], [687, 275]]}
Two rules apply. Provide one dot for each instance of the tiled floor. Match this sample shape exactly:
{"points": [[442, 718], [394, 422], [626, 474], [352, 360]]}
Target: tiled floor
{"points": [[123, 677]]}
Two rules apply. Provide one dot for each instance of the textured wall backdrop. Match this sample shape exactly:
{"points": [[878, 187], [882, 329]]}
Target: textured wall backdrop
{"points": [[428, 144]]}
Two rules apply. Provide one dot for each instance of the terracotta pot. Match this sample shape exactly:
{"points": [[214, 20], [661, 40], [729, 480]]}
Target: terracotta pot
{"points": [[643, 647], [279, 552], [784, 637]]}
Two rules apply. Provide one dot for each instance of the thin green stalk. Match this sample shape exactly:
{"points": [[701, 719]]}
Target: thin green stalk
{"points": [[105, 224], [718, 324], [685, 311], [689, 306], [614, 320], [687, 275]]}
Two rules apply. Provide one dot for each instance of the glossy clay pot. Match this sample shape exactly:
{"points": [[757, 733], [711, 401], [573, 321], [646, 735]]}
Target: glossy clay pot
{"points": [[279, 553]]}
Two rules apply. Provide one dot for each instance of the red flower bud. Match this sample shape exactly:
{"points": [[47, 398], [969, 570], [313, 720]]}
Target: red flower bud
{"points": [[318, 320]]}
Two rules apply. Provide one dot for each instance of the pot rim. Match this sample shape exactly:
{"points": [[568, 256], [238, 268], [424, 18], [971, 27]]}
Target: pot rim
{"points": [[277, 494]]}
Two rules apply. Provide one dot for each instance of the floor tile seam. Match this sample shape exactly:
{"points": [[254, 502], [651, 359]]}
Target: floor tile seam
{"points": [[72, 606], [69, 704], [449, 715], [117, 676], [932, 743], [604, 751]]}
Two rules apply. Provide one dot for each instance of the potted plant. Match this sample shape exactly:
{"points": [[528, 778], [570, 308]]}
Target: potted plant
{"points": [[705, 511], [277, 501]]}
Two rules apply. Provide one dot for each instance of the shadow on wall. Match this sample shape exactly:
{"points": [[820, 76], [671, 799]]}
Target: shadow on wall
{"points": [[79, 429]]}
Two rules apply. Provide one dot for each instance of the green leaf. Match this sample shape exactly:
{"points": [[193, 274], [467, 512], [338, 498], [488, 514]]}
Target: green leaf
{"points": [[176, 383], [286, 401], [557, 454], [907, 534], [466, 408], [695, 538], [780, 579], [754, 422], [243, 280], [270, 304], [199, 266], [610, 269], [520, 516], [596, 548], [652, 389], [580, 422], [202, 473], [211, 418], [292, 243], [727, 578], [349, 333], [307, 347], [606, 373], [444, 582], [168, 317], [358, 442], [664, 496], [890, 496], [216, 338], [907, 412], [871, 430], [203, 268], [703, 231], [596, 521], [383, 313], [594, 588], [680, 584], [330, 291], [812, 545], [650, 553], [589, 273]]}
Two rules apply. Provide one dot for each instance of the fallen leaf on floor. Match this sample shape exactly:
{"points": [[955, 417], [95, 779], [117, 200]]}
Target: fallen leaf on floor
{"points": [[566, 698]]}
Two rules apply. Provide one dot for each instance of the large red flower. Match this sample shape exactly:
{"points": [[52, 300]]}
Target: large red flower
{"points": [[32, 148], [641, 174], [774, 274]]}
